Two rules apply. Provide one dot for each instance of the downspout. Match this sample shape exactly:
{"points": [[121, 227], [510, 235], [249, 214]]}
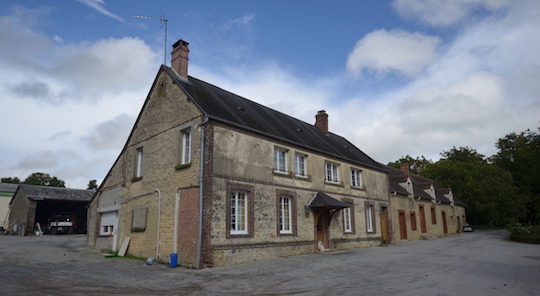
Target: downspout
{"points": [[176, 214], [201, 197], [158, 218]]}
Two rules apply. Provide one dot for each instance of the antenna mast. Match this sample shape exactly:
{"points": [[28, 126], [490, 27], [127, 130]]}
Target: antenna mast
{"points": [[162, 22]]}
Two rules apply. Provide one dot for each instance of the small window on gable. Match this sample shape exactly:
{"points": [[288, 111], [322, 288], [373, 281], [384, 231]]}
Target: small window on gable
{"points": [[331, 173], [139, 163], [185, 156], [280, 160], [300, 165], [356, 178], [161, 89]]}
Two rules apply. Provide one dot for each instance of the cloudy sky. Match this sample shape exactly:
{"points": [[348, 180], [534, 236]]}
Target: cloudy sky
{"points": [[399, 77]]}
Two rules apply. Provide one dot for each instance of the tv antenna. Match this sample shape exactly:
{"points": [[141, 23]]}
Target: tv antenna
{"points": [[162, 23]]}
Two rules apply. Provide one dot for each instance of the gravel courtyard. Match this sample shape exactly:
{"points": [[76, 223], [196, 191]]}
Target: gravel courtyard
{"points": [[479, 263]]}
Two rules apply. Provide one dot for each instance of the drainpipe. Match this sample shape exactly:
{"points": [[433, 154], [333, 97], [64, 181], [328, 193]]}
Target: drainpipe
{"points": [[201, 196], [158, 218], [175, 233]]}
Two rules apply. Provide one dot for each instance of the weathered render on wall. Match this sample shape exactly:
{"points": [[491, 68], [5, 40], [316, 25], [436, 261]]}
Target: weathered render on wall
{"points": [[245, 160], [166, 113]]}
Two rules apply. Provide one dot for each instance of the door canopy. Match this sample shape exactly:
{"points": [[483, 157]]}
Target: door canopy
{"points": [[322, 200]]}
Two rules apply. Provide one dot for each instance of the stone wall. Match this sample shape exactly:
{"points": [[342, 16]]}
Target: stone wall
{"points": [[166, 113], [433, 230], [243, 160]]}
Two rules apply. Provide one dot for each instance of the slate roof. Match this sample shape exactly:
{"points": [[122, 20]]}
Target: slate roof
{"points": [[35, 192], [322, 200], [8, 187], [396, 176], [232, 109]]}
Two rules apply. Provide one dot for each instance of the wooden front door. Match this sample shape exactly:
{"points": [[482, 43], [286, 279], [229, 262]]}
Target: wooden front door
{"points": [[422, 219], [321, 226], [445, 227], [402, 225], [384, 224]]}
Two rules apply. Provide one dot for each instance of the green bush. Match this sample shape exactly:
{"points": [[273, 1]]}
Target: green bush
{"points": [[525, 233]]}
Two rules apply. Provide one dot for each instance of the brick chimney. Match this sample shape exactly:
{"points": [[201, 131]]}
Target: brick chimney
{"points": [[180, 58], [321, 121], [405, 168]]}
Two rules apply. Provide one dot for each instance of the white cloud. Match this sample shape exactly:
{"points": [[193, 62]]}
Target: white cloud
{"points": [[111, 134], [443, 12], [99, 6], [33, 66], [384, 51], [243, 20]]}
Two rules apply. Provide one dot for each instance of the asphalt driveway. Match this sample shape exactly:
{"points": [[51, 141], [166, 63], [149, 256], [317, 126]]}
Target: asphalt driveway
{"points": [[480, 263]]}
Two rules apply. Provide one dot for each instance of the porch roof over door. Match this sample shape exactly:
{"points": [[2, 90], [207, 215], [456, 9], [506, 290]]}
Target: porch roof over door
{"points": [[323, 200]]}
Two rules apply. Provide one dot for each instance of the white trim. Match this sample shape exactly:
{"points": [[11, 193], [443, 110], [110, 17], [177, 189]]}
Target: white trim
{"points": [[234, 199], [282, 219], [332, 175], [277, 160], [369, 218], [347, 221]]}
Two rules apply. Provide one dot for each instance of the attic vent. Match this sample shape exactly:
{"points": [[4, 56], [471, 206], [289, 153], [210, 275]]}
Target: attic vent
{"points": [[240, 108]]}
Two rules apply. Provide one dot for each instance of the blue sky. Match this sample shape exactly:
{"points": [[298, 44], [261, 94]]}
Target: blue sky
{"points": [[397, 77]]}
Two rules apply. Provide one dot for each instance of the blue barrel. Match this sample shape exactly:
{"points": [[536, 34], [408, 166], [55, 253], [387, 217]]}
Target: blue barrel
{"points": [[173, 262]]}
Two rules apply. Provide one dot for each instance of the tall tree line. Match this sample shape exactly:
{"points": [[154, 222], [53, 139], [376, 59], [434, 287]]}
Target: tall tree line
{"points": [[498, 190]]}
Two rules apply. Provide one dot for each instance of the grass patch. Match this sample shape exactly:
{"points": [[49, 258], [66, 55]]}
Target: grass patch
{"points": [[525, 233]]}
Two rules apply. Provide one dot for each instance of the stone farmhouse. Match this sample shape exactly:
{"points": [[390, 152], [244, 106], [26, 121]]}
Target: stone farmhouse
{"points": [[222, 180], [421, 208]]}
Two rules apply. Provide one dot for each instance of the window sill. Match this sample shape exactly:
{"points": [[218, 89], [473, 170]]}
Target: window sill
{"points": [[182, 166], [362, 188], [138, 229], [283, 174], [303, 178], [338, 184], [105, 235], [136, 179], [348, 232], [239, 235]]}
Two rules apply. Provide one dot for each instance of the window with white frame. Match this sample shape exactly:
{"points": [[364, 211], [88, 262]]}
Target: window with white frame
{"points": [[239, 213], [280, 160], [356, 178], [347, 221], [332, 175], [107, 222], [185, 158], [300, 169], [139, 163], [285, 215], [369, 218]]}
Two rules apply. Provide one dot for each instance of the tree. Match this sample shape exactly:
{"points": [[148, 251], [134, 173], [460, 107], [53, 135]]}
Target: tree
{"points": [[416, 165], [487, 190], [519, 155], [44, 180], [13, 180], [92, 184]]}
